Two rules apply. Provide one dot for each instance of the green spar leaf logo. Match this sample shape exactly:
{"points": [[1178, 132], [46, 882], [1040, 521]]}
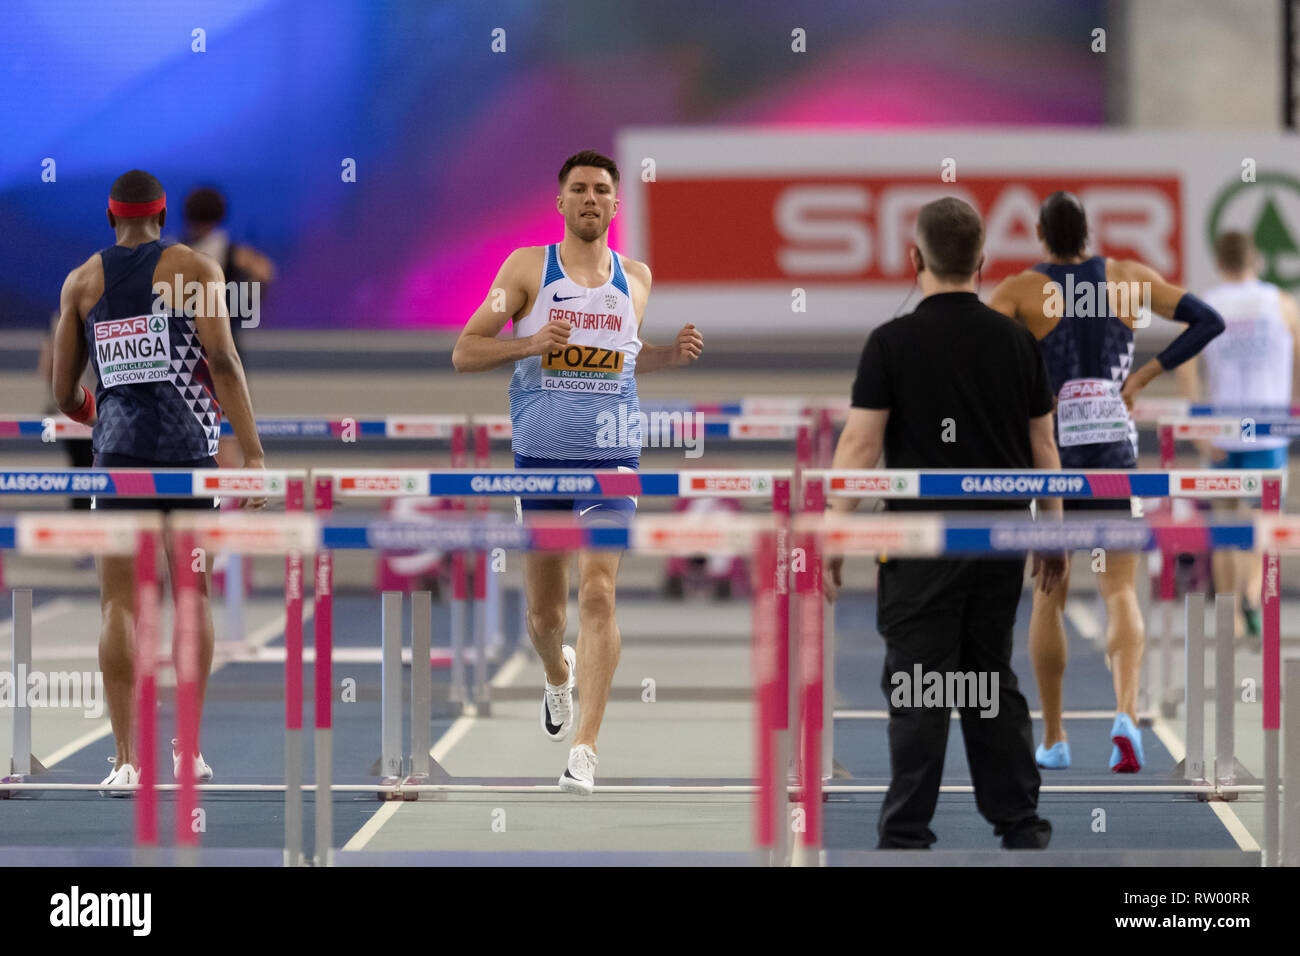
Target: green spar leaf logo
{"points": [[409, 484], [1267, 210], [1249, 483], [157, 324], [760, 483], [900, 484], [274, 483]]}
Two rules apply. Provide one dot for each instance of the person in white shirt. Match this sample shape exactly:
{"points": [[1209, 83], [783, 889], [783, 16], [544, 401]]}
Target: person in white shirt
{"points": [[1252, 365]]}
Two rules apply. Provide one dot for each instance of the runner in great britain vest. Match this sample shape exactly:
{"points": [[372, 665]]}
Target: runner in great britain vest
{"points": [[562, 404]]}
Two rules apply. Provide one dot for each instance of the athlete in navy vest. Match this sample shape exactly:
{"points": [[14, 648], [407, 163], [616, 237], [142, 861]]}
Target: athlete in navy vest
{"points": [[577, 308], [165, 377], [1083, 310]]}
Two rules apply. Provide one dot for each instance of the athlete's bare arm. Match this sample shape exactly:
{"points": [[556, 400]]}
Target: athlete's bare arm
{"points": [[1188, 376], [212, 324], [1048, 566], [1006, 297], [70, 355], [860, 445], [1023, 297], [511, 297], [1164, 297], [688, 345]]}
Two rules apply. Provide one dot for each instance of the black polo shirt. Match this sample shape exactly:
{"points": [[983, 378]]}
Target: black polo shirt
{"points": [[961, 382]]}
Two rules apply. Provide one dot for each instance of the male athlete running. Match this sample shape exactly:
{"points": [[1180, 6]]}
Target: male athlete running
{"points": [[577, 308]]}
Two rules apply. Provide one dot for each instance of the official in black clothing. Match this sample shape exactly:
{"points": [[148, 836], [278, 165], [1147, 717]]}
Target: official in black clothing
{"points": [[953, 385]]}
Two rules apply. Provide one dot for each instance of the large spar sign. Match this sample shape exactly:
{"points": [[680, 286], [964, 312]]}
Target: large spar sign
{"points": [[858, 229], [735, 221]]}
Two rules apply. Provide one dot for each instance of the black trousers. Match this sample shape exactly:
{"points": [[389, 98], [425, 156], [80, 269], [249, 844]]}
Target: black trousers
{"points": [[956, 616]]}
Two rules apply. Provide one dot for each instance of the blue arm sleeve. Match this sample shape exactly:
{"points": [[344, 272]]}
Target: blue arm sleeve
{"points": [[1203, 324]]}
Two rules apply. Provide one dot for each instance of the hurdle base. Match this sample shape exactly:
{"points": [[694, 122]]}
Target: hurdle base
{"points": [[384, 796], [16, 776], [18, 794], [1179, 774], [1239, 775]]}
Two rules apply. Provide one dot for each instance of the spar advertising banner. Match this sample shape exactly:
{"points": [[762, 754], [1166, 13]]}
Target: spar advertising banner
{"points": [[734, 221]]}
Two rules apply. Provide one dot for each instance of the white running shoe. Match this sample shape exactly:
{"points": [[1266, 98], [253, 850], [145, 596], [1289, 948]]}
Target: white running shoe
{"points": [[580, 775], [124, 775], [557, 702], [202, 772]]}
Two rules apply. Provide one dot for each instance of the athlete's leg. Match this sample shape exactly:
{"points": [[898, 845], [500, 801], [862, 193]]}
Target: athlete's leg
{"points": [[546, 589], [1047, 651], [1250, 575], [599, 642], [1230, 571], [117, 615], [1125, 633], [206, 633]]}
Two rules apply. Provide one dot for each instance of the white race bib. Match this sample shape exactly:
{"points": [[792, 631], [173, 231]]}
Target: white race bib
{"points": [[1089, 411], [133, 351]]}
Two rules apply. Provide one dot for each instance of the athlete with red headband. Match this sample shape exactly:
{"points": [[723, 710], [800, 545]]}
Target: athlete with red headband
{"points": [[166, 369]]}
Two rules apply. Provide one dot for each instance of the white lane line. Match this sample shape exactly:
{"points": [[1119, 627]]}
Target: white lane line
{"points": [[1232, 823], [40, 615], [449, 739], [104, 729], [1168, 735], [266, 632]]}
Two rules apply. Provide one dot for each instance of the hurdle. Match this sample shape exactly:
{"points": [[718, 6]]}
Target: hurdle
{"points": [[343, 429], [904, 535], [1206, 423], [927, 535], [772, 486], [56, 534]]}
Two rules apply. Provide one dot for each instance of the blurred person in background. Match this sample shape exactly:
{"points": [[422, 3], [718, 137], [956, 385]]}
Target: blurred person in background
{"points": [[1252, 365], [205, 211]]}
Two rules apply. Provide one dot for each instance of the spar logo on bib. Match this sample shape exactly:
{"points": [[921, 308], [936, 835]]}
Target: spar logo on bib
{"points": [[133, 351], [1086, 388]]}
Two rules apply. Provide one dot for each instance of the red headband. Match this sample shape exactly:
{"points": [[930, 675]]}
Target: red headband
{"points": [[134, 210]]}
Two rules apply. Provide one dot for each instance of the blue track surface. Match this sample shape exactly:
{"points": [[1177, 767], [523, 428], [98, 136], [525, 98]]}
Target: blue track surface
{"points": [[1136, 821], [243, 741]]}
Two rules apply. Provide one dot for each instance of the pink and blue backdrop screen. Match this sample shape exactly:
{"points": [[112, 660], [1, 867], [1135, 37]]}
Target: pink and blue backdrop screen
{"points": [[456, 146]]}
